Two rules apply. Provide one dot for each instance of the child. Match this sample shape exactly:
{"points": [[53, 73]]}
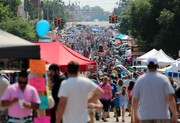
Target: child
{"points": [[124, 101], [117, 110]]}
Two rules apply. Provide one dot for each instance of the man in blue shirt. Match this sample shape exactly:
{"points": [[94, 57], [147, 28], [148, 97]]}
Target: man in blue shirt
{"points": [[114, 90]]}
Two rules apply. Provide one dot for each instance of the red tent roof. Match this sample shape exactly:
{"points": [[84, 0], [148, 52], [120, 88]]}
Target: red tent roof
{"points": [[55, 52]]}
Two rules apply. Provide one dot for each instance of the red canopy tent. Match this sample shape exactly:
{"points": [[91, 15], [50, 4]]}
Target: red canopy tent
{"points": [[55, 52]]}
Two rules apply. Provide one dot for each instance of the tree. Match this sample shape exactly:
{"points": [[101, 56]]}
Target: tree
{"points": [[33, 10], [13, 6], [19, 27], [154, 24], [4, 10], [54, 9]]}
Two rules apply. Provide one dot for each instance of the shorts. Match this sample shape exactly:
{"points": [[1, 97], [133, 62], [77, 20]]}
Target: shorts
{"points": [[117, 111], [3, 116], [106, 104], [27, 119], [156, 121], [123, 105]]}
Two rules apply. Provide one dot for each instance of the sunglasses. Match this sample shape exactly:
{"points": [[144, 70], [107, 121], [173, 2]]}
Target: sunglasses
{"points": [[22, 82]]}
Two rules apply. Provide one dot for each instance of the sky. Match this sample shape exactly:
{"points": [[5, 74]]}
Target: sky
{"points": [[107, 5]]}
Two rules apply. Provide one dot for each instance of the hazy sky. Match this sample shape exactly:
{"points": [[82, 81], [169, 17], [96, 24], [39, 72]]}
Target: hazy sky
{"points": [[107, 5]]}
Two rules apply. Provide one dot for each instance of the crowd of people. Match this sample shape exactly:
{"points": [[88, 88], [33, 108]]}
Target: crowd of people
{"points": [[148, 96]]}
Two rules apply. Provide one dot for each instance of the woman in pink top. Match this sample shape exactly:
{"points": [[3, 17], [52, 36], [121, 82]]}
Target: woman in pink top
{"points": [[105, 99]]}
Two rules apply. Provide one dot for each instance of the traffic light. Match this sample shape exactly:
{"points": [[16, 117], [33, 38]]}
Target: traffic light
{"points": [[56, 22], [110, 21], [62, 22], [113, 19], [59, 21], [116, 19]]}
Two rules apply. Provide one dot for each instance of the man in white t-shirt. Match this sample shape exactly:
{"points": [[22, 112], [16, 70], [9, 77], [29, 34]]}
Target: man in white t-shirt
{"points": [[73, 94], [153, 96]]}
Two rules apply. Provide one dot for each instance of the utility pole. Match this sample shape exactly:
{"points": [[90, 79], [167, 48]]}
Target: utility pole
{"points": [[53, 11], [47, 9], [38, 9]]}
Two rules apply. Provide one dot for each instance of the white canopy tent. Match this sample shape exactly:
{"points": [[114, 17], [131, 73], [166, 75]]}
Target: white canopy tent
{"points": [[163, 58], [152, 52]]}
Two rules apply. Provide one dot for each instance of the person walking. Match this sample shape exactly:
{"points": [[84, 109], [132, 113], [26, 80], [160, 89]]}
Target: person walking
{"points": [[152, 97], [124, 101], [117, 110], [129, 92], [21, 99], [73, 94], [106, 97], [113, 83], [4, 83], [56, 78]]}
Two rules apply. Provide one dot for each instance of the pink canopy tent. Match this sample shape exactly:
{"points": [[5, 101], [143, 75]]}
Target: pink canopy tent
{"points": [[55, 52]]}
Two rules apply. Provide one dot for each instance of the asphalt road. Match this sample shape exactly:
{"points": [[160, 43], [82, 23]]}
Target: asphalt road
{"points": [[91, 23]]}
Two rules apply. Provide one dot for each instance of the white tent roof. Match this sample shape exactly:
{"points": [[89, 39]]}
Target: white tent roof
{"points": [[163, 58], [147, 55]]}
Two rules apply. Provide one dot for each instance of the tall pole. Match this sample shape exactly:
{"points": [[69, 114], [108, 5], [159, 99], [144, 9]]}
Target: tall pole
{"points": [[47, 10], [38, 9], [53, 11]]}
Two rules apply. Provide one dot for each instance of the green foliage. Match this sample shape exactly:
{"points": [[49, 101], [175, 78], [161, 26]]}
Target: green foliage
{"points": [[124, 23], [54, 9], [166, 18], [154, 24], [4, 10], [12, 6], [19, 27], [33, 10]]}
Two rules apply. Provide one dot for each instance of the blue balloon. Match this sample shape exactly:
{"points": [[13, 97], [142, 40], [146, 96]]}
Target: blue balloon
{"points": [[42, 28]]}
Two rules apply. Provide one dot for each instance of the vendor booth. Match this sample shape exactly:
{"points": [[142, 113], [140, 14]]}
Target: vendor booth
{"points": [[12, 46], [55, 52]]}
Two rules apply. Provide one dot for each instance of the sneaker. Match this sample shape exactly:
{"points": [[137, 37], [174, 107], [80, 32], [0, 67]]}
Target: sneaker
{"points": [[117, 120], [104, 120]]}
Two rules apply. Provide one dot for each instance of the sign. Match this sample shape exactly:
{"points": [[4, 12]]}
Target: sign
{"points": [[44, 119], [38, 83], [37, 66], [136, 51], [44, 103], [91, 67]]}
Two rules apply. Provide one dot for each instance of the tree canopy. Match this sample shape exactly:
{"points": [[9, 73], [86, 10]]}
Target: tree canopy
{"points": [[12, 23], [154, 24], [19, 27]]}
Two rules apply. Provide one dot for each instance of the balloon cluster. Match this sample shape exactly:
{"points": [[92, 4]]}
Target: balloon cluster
{"points": [[42, 28]]}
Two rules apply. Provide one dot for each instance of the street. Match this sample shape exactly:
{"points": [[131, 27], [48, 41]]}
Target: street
{"points": [[112, 119]]}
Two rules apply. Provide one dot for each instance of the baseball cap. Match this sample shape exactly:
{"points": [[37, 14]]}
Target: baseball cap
{"points": [[152, 60]]}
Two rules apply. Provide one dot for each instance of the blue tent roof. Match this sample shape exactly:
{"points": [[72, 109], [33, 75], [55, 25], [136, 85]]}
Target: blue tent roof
{"points": [[172, 74], [119, 36]]}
